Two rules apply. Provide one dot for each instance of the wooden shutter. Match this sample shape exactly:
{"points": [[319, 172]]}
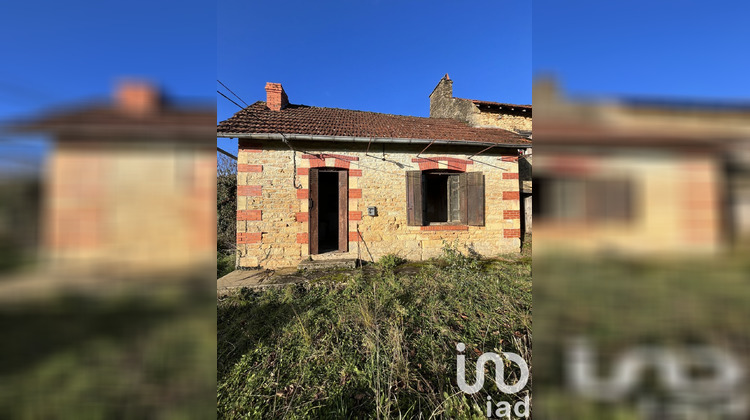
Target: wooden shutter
{"points": [[414, 199], [455, 198], [312, 237], [613, 198], [343, 211], [463, 197], [474, 198]]}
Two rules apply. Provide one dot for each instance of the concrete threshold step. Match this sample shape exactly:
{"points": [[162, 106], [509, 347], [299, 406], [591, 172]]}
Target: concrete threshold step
{"points": [[325, 264]]}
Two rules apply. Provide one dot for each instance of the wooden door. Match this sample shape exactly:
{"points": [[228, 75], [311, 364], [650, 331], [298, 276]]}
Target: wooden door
{"points": [[343, 211], [314, 210], [313, 207]]}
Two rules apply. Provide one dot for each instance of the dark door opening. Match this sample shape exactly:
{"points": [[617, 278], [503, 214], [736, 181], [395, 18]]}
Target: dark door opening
{"points": [[328, 215], [329, 191]]}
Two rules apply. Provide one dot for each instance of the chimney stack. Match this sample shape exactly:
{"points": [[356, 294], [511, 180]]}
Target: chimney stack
{"points": [[137, 97], [276, 98]]}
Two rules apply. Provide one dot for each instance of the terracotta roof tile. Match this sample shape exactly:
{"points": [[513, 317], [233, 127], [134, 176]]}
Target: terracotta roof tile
{"points": [[307, 120]]}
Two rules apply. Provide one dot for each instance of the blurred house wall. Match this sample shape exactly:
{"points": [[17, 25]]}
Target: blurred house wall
{"points": [[129, 187], [667, 172], [128, 206]]}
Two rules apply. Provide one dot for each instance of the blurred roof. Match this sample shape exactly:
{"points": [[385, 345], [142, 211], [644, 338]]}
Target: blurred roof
{"points": [[636, 122], [138, 109]]}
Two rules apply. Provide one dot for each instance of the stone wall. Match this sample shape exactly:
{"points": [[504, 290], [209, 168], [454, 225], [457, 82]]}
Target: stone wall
{"points": [[505, 121], [676, 203], [129, 208], [273, 188], [444, 105]]}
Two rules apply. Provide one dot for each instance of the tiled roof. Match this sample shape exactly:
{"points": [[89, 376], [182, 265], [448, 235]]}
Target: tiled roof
{"points": [[307, 120], [499, 104], [193, 120]]}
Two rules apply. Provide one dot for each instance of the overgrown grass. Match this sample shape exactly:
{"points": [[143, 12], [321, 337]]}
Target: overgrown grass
{"points": [[123, 357], [618, 304], [380, 345], [390, 261], [224, 263]]}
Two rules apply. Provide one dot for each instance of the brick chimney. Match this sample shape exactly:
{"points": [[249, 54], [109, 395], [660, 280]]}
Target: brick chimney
{"points": [[276, 98], [137, 97]]}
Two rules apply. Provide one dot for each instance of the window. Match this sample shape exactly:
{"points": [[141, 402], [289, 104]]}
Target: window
{"points": [[444, 197], [584, 200]]}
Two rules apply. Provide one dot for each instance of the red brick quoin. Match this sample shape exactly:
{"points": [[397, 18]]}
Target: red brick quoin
{"points": [[340, 161], [248, 237], [248, 215], [434, 163], [242, 167], [249, 190], [511, 195], [512, 233], [306, 171], [438, 228], [511, 214]]}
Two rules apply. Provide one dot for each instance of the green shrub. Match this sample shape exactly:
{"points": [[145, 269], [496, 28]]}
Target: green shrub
{"points": [[224, 264], [390, 261], [456, 260]]}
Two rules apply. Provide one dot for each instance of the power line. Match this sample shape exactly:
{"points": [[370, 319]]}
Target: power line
{"points": [[230, 90], [229, 99], [224, 152]]}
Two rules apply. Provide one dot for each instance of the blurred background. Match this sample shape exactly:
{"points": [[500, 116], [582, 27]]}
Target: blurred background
{"points": [[641, 199], [642, 208], [107, 220]]}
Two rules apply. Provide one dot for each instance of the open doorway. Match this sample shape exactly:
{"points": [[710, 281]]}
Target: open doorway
{"points": [[329, 210]]}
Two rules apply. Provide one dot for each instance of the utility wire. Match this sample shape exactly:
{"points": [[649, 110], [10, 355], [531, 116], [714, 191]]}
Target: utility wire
{"points": [[229, 99], [230, 90], [224, 152]]}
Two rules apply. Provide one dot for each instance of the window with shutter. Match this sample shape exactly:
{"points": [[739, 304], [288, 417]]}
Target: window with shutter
{"points": [[444, 197], [577, 199]]}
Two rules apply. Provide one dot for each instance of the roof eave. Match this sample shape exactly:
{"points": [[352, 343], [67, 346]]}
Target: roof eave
{"points": [[354, 139]]}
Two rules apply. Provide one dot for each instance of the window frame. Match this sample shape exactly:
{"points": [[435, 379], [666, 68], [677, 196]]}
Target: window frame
{"points": [[470, 197], [590, 200]]}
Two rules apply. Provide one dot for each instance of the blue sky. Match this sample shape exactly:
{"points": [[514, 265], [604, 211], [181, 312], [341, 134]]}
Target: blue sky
{"points": [[373, 55], [57, 54], [666, 49]]}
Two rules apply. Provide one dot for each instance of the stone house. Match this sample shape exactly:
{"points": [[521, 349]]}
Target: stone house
{"points": [[486, 114], [326, 183], [640, 177], [128, 187]]}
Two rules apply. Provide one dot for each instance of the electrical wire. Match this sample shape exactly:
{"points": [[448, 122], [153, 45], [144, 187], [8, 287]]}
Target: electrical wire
{"points": [[238, 105], [230, 90]]}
